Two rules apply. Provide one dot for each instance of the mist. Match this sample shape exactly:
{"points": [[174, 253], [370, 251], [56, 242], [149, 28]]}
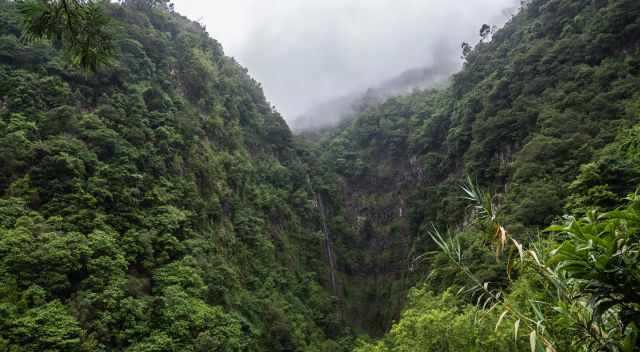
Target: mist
{"points": [[305, 53]]}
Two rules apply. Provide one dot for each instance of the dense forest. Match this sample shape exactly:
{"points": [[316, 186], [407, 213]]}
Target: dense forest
{"points": [[156, 205], [443, 189], [151, 199]]}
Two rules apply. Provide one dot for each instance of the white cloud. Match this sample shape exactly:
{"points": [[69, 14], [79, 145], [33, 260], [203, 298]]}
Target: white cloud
{"points": [[304, 51]]}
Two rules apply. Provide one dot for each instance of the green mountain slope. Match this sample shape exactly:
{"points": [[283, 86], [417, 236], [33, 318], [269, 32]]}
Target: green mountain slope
{"points": [[532, 105], [158, 205], [162, 204]]}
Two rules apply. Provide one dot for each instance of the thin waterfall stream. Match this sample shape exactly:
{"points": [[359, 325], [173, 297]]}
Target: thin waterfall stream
{"points": [[327, 237], [327, 240]]}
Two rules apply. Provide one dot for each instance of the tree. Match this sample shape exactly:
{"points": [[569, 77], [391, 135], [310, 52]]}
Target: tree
{"points": [[48, 327], [81, 27], [466, 50], [485, 30]]}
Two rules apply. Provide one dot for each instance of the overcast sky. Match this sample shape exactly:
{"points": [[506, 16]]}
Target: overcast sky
{"points": [[308, 51]]}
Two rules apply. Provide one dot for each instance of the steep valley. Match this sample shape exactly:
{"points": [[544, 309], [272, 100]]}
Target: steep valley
{"points": [[162, 204], [507, 119]]}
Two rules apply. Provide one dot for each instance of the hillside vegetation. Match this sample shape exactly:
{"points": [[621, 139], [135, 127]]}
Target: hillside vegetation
{"points": [[157, 205], [544, 116], [153, 200]]}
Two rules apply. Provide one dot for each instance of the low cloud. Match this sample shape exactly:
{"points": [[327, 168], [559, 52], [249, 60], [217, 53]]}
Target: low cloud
{"points": [[306, 52]]}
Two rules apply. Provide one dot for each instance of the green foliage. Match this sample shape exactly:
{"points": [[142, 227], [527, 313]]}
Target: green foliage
{"points": [[601, 257], [48, 327], [442, 323], [156, 205], [528, 116], [589, 280], [79, 26], [161, 204], [613, 174]]}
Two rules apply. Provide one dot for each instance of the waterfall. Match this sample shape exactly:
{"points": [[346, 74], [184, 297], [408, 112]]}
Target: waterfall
{"points": [[327, 240], [327, 237]]}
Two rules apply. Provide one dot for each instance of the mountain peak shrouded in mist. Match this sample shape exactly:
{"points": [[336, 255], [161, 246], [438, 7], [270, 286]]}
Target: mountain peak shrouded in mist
{"points": [[332, 112], [308, 52], [153, 199]]}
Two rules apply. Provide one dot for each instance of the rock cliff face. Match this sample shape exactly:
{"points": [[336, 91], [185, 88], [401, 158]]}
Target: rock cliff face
{"points": [[531, 106], [163, 205]]}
